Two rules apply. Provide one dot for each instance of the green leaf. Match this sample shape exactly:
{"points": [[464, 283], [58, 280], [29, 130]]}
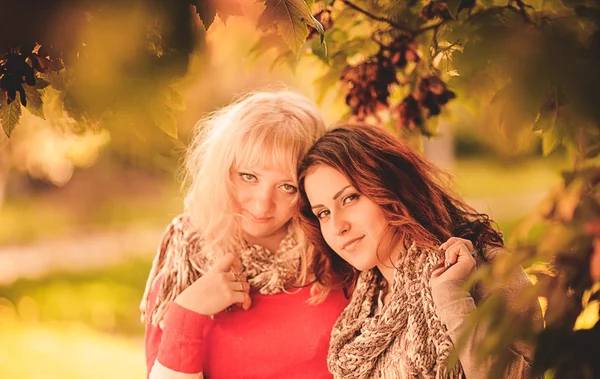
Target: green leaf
{"points": [[319, 49], [265, 43], [317, 25], [288, 58], [291, 18], [550, 141], [174, 100], [34, 99], [58, 80], [41, 83], [9, 114], [330, 80], [165, 120], [453, 6], [207, 11]]}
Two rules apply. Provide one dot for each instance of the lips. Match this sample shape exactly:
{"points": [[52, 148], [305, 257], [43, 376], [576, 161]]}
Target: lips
{"points": [[257, 219], [350, 245]]}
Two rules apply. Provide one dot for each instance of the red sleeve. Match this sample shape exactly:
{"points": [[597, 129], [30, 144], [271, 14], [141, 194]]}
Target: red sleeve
{"points": [[180, 346]]}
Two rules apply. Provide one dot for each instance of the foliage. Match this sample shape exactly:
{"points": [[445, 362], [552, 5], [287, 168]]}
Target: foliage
{"points": [[116, 65], [521, 67]]}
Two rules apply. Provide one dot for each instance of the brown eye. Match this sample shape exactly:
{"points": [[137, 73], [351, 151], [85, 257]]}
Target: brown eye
{"points": [[322, 214], [248, 177], [349, 198], [288, 188]]}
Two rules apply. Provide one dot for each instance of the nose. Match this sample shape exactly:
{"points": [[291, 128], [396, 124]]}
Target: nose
{"points": [[263, 201], [340, 225]]}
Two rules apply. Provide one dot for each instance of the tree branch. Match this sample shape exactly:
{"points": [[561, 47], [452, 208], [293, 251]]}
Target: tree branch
{"points": [[427, 28], [402, 27]]}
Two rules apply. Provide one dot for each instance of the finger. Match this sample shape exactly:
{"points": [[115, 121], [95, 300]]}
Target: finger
{"points": [[438, 270], [238, 297], [237, 266], [239, 286], [452, 254], [453, 240], [224, 263], [247, 302], [448, 243], [241, 299]]}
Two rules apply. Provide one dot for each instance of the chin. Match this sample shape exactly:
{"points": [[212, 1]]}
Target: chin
{"points": [[361, 265], [260, 231]]}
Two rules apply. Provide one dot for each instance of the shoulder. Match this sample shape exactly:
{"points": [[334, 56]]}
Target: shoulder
{"points": [[508, 281]]}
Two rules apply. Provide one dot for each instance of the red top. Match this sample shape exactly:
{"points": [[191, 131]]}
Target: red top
{"points": [[280, 336]]}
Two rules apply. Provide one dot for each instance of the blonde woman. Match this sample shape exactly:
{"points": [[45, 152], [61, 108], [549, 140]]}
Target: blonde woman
{"points": [[228, 294]]}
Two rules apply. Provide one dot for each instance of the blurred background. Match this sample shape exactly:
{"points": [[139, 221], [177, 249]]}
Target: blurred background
{"points": [[82, 209]]}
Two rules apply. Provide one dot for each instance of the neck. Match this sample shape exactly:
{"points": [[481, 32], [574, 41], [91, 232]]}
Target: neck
{"points": [[270, 242]]}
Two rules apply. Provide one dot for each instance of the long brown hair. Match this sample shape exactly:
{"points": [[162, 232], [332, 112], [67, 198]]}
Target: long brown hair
{"points": [[411, 192]]}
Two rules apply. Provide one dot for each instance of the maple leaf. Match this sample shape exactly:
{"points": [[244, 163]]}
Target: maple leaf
{"points": [[292, 18]]}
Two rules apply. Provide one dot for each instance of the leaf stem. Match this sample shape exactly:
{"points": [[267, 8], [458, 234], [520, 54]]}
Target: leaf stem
{"points": [[402, 27]]}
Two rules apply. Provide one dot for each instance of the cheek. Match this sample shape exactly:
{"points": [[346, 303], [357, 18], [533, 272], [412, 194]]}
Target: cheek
{"points": [[327, 235], [237, 199], [286, 204], [243, 194]]}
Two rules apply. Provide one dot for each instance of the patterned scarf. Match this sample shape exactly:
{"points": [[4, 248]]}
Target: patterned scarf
{"points": [[181, 260], [403, 339]]}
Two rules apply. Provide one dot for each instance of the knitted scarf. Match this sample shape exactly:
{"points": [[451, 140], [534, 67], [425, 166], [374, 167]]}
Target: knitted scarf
{"points": [[403, 339], [181, 260]]}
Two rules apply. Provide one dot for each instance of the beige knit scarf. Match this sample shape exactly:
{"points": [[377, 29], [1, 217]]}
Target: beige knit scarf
{"points": [[181, 260], [403, 339]]}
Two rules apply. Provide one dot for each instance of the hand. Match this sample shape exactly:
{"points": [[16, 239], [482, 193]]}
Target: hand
{"points": [[216, 290], [458, 261]]}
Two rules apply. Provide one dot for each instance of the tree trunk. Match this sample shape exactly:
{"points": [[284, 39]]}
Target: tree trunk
{"points": [[440, 150], [4, 166]]}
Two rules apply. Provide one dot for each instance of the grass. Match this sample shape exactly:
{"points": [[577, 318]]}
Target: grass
{"points": [[477, 177], [105, 299], [73, 351], [25, 219], [74, 325]]}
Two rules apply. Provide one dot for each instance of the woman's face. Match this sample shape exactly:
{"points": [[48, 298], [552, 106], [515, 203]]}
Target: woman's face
{"points": [[351, 223], [265, 197]]}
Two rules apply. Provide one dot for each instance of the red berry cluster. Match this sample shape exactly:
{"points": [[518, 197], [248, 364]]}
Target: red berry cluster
{"points": [[435, 9], [401, 51], [368, 82], [430, 95], [368, 85]]}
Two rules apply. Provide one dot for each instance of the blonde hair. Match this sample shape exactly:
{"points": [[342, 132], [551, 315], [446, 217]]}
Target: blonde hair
{"points": [[262, 129]]}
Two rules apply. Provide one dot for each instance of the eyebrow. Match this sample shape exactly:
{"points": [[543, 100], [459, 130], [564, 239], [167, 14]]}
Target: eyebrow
{"points": [[334, 197], [260, 172]]}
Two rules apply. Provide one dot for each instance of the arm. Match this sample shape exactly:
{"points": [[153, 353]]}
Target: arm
{"points": [[454, 305], [175, 347], [176, 350]]}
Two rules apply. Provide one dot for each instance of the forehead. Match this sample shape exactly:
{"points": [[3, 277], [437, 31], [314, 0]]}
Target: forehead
{"points": [[267, 157], [322, 182]]}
